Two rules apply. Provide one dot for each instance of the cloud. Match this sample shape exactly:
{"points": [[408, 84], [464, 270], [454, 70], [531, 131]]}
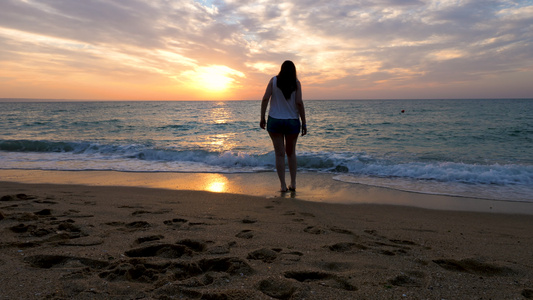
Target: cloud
{"points": [[341, 48]]}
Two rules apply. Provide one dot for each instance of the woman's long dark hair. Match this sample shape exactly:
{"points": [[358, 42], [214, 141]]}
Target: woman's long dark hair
{"points": [[287, 79]]}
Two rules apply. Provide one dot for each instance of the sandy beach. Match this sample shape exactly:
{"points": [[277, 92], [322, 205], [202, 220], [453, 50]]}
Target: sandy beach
{"points": [[65, 237]]}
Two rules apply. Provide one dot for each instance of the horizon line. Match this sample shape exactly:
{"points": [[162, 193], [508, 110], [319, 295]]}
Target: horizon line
{"points": [[5, 100]]}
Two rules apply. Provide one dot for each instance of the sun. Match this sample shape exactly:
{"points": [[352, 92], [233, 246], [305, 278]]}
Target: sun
{"points": [[214, 82], [213, 78]]}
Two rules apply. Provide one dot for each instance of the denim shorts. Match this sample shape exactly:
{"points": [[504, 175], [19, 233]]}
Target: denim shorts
{"points": [[284, 126]]}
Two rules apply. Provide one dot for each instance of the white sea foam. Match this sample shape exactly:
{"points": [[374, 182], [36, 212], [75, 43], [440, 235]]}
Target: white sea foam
{"points": [[140, 158], [520, 193]]}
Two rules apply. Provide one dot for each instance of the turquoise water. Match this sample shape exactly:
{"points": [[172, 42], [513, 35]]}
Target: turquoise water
{"points": [[477, 148]]}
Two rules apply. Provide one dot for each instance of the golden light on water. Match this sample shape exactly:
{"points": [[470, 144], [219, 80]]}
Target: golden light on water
{"points": [[216, 183], [221, 141], [220, 114]]}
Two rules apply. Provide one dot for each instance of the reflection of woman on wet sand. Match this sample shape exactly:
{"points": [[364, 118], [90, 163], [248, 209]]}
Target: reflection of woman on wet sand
{"points": [[286, 109]]}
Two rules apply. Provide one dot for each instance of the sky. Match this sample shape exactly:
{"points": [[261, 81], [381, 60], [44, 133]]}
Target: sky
{"points": [[229, 49]]}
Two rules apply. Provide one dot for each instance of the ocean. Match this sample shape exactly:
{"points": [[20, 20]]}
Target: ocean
{"points": [[474, 148]]}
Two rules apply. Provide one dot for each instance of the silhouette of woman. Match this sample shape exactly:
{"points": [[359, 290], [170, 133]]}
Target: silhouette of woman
{"points": [[286, 110]]}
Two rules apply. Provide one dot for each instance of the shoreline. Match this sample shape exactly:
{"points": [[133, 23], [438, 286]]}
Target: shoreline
{"points": [[313, 187]]}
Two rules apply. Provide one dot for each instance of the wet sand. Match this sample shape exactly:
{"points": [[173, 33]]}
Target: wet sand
{"points": [[314, 187], [94, 241]]}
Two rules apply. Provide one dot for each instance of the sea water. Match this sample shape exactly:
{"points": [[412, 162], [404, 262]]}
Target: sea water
{"points": [[476, 148]]}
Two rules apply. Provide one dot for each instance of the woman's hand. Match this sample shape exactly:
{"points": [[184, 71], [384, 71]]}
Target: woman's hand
{"points": [[304, 129], [262, 124]]}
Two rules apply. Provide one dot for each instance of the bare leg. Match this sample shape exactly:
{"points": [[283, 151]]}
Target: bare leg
{"points": [[290, 149], [279, 150]]}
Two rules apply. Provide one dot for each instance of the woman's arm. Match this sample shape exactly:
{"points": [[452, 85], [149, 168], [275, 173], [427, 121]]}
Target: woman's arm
{"points": [[264, 104], [301, 108]]}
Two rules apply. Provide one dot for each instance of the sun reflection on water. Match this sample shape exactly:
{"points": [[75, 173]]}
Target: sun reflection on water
{"points": [[220, 114], [216, 183]]}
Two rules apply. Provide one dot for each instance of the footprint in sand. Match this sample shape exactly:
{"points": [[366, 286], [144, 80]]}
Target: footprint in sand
{"points": [[62, 261], [40, 232], [68, 226], [245, 234], [22, 228], [140, 212], [277, 288], [230, 265], [315, 230], [143, 212], [137, 270], [132, 226], [115, 224], [82, 242], [44, 212], [346, 247], [194, 245], [45, 201], [26, 217], [17, 197], [265, 255], [183, 247], [150, 238], [131, 206], [134, 271], [341, 231], [138, 225], [404, 242], [249, 221], [323, 278], [335, 266], [175, 221], [409, 279], [473, 266], [163, 250], [389, 247], [221, 249], [188, 289], [291, 256]]}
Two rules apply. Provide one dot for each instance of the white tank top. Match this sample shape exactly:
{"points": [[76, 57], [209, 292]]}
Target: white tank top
{"points": [[281, 108]]}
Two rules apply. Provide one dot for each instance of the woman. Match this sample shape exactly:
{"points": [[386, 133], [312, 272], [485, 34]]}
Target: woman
{"points": [[286, 110]]}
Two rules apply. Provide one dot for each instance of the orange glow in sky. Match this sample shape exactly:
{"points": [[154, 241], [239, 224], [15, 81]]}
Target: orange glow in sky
{"points": [[227, 50]]}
